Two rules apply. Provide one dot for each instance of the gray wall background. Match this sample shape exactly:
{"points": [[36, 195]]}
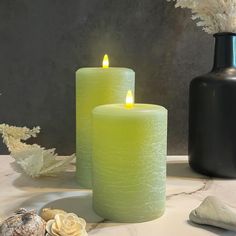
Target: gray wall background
{"points": [[43, 43]]}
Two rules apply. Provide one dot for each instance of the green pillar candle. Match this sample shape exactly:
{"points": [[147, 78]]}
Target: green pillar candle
{"points": [[95, 86], [129, 161]]}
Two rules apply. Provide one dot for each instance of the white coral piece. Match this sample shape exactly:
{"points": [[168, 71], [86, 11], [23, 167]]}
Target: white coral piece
{"points": [[35, 160], [213, 15]]}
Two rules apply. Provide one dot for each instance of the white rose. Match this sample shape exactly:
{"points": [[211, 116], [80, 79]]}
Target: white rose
{"points": [[66, 225]]}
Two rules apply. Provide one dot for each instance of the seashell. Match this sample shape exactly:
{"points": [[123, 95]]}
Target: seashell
{"points": [[49, 214], [23, 222], [35, 160], [66, 224], [214, 212]]}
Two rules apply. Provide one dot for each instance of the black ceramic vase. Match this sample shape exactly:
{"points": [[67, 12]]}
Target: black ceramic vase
{"points": [[212, 113]]}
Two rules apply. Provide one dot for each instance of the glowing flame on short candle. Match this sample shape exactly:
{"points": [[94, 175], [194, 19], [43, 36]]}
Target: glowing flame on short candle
{"points": [[105, 63], [129, 99]]}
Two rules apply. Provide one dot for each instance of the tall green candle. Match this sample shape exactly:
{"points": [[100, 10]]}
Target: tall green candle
{"points": [[129, 161], [95, 86]]}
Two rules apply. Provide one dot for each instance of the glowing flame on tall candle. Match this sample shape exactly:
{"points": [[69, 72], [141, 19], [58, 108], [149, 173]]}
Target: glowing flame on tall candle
{"points": [[129, 103], [105, 63]]}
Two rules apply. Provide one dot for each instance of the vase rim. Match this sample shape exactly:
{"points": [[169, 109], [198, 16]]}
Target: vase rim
{"points": [[224, 33]]}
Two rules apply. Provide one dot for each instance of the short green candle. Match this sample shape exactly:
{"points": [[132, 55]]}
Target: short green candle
{"points": [[95, 86], [129, 161]]}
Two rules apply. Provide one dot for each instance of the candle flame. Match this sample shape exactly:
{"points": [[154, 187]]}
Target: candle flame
{"points": [[105, 63], [129, 99]]}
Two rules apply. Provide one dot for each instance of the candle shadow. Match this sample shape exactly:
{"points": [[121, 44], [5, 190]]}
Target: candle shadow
{"points": [[182, 169], [79, 202]]}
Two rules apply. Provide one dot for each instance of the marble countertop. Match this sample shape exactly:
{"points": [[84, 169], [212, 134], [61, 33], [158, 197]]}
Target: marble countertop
{"points": [[185, 191]]}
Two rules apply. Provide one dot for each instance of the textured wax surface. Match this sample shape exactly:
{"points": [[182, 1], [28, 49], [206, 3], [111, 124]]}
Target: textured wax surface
{"points": [[95, 86], [129, 162]]}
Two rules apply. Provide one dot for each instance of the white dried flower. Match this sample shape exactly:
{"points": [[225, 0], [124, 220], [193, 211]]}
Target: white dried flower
{"points": [[66, 225], [49, 213], [214, 16], [35, 160]]}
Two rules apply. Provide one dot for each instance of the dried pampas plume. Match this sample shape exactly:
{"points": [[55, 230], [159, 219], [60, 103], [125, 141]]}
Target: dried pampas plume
{"points": [[214, 16], [35, 160]]}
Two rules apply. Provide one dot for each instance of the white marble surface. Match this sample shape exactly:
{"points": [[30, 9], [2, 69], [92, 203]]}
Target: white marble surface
{"points": [[185, 191]]}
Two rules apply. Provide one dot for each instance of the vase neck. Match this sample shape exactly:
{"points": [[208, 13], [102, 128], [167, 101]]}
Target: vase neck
{"points": [[225, 51]]}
